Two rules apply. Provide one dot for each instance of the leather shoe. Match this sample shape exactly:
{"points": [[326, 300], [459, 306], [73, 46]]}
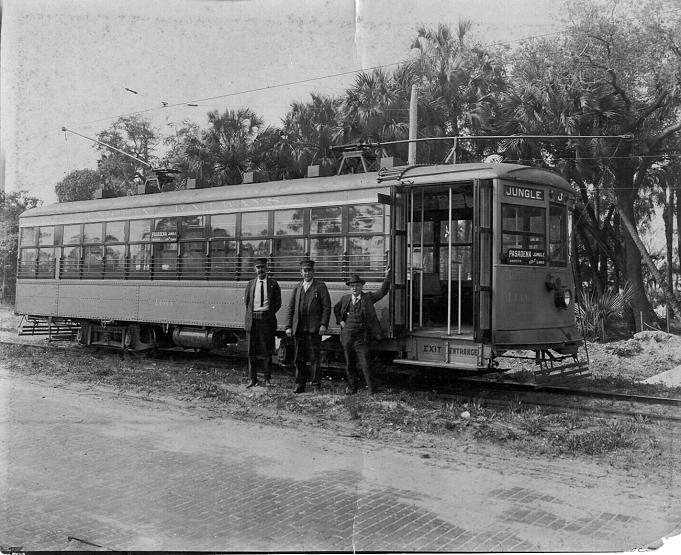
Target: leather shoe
{"points": [[299, 389], [268, 383], [252, 384], [350, 390]]}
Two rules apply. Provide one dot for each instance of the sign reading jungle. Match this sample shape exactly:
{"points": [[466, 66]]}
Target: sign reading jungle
{"points": [[528, 193], [525, 257]]}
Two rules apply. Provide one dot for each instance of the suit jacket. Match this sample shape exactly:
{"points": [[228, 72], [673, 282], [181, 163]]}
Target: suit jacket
{"points": [[273, 294], [366, 301], [318, 308]]}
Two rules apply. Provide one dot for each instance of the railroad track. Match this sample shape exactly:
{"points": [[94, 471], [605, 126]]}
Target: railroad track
{"points": [[492, 392]]}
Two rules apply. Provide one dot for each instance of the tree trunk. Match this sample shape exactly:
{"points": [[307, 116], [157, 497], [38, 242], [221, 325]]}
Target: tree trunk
{"points": [[643, 309], [678, 227], [668, 218]]}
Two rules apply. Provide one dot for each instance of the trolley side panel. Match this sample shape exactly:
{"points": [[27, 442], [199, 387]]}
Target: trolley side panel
{"points": [[37, 298], [525, 309]]}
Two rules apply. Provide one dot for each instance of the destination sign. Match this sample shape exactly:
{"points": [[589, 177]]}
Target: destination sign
{"points": [[525, 257], [528, 193], [558, 196], [164, 236]]}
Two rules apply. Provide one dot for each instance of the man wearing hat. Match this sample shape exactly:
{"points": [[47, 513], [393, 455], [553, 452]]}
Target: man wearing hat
{"points": [[356, 315], [263, 299], [307, 320]]}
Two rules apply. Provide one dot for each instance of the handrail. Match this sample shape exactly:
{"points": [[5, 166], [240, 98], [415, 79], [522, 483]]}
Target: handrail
{"points": [[331, 268]]}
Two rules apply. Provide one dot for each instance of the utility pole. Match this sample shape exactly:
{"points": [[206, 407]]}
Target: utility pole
{"points": [[413, 103]]}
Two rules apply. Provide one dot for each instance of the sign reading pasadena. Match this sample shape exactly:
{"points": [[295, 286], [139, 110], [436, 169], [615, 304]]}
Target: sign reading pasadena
{"points": [[526, 257]]}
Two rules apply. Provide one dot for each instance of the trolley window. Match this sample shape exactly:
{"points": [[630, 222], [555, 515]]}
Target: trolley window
{"points": [[114, 251], [367, 218], [93, 261], [28, 261], [46, 236], [114, 261], [223, 259], [327, 252], [366, 255], [114, 232], [523, 235], [325, 220], [255, 224], [288, 222], [70, 261], [71, 235], [462, 249], [164, 238], [28, 237], [250, 250], [223, 225], [139, 235], [327, 246], [287, 253], [37, 262], [140, 230], [140, 259], [366, 252], [558, 235], [192, 227], [92, 233], [193, 262]]}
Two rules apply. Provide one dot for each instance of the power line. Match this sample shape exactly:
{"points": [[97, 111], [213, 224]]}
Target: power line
{"points": [[298, 82], [195, 102]]}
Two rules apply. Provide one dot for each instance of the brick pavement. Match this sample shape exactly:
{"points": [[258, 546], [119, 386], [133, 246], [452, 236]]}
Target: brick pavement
{"points": [[127, 474]]}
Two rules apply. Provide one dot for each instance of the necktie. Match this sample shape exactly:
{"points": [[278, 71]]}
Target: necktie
{"points": [[262, 293]]}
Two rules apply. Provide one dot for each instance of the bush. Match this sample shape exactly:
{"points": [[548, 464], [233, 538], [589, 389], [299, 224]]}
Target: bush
{"points": [[598, 313]]}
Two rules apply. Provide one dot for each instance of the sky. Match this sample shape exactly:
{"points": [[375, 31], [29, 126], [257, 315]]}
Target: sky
{"points": [[68, 63]]}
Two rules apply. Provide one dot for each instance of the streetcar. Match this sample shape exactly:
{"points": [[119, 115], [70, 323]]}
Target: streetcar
{"points": [[478, 252]]}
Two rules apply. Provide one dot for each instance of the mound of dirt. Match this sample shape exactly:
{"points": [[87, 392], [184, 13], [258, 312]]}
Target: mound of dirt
{"points": [[646, 354]]}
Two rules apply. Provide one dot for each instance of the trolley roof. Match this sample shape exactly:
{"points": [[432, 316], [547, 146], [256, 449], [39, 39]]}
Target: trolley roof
{"points": [[403, 175]]}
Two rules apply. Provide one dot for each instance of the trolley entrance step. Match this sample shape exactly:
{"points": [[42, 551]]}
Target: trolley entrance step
{"points": [[553, 370], [55, 330]]}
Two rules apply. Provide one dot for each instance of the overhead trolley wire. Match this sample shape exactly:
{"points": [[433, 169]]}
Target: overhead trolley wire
{"points": [[195, 102]]}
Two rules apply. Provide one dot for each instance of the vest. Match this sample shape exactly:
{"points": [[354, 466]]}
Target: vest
{"points": [[354, 320]]}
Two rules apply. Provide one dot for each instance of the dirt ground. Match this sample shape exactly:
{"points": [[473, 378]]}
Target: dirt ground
{"points": [[419, 420]]}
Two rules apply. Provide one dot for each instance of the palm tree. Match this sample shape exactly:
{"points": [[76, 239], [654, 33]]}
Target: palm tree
{"points": [[227, 146], [460, 85], [308, 133]]}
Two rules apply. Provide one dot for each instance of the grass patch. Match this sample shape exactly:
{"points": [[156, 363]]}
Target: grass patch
{"points": [[395, 416]]}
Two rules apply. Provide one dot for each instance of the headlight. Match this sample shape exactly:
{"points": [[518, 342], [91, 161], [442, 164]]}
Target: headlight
{"points": [[563, 297]]}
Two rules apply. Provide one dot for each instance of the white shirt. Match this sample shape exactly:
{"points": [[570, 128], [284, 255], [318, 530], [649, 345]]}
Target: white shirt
{"points": [[306, 285], [256, 298]]}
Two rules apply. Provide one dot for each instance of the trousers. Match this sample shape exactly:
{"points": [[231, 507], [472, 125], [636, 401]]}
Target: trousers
{"points": [[260, 346], [357, 352], [307, 347]]}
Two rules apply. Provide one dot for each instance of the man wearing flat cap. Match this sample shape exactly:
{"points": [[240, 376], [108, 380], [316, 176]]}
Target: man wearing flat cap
{"points": [[307, 320], [263, 300], [356, 315]]}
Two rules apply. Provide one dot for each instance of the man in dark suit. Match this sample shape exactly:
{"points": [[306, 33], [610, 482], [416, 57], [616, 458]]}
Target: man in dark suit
{"points": [[356, 315], [307, 320], [263, 300]]}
